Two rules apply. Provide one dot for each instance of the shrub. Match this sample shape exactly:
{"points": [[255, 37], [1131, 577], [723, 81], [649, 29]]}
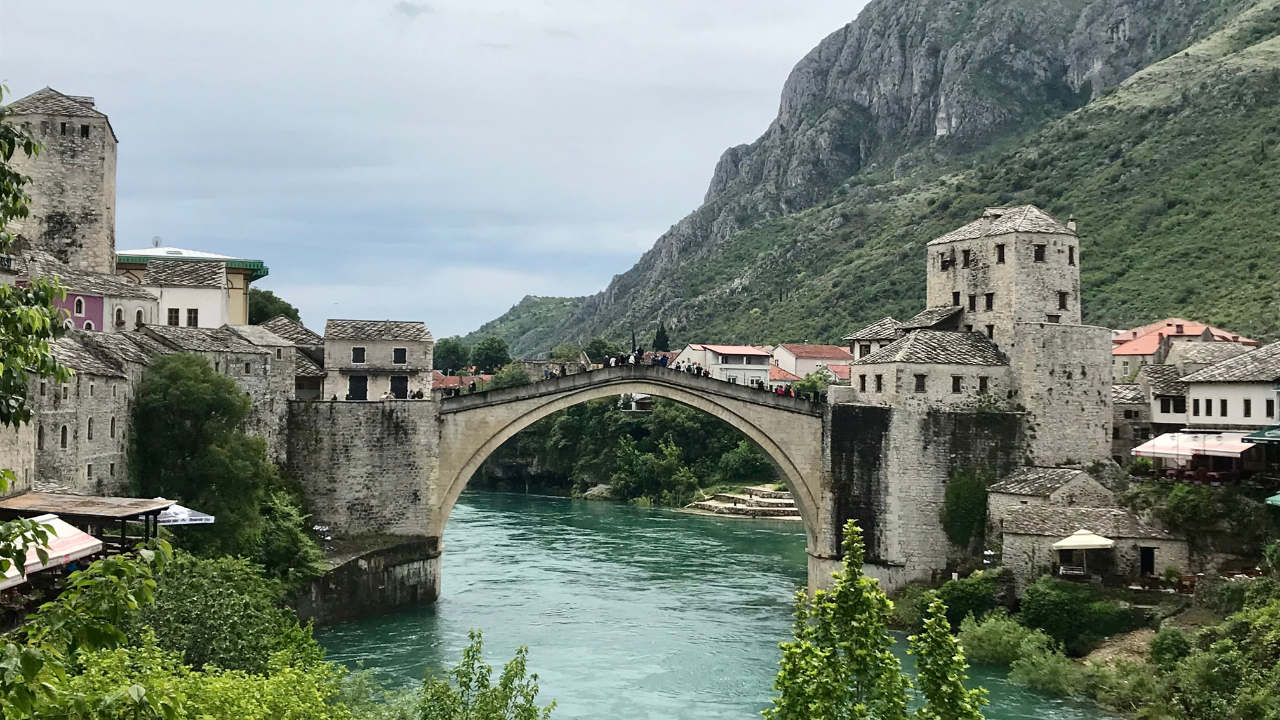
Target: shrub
{"points": [[964, 508], [1048, 672], [1141, 466], [907, 606], [1074, 615], [286, 551], [974, 595], [1133, 688], [1000, 640], [1169, 646], [1191, 509]]}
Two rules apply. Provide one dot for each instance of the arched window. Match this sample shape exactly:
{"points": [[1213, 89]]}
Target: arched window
{"points": [[89, 433], [113, 426], [137, 318], [88, 325], [64, 437], [79, 306], [120, 316], [40, 437]]}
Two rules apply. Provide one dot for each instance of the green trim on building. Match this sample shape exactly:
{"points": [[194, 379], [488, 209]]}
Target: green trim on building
{"points": [[259, 270]]}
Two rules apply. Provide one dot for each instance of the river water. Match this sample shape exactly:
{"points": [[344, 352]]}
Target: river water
{"points": [[629, 613]]}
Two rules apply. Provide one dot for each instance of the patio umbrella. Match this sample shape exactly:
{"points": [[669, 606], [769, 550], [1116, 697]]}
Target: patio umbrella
{"points": [[1084, 540], [1273, 500], [179, 515]]}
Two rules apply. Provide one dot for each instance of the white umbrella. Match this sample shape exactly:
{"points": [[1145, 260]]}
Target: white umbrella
{"points": [[179, 515], [1084, 540]]}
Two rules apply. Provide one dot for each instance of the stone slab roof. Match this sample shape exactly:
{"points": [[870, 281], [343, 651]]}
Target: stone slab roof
{"points": [[195, 339], [36, 263], [1128, 394], [1060, 522], [183, 273], [258, 335], [1163, 380], [937, 346], [932, 316], [48, 101], [147, 344], [123, 346], [1205, 353], [1038, 481], [1005, 220], [882, 329], [376, 330], [1261, 365], [292, 330], [73, 351], [304, 366]]}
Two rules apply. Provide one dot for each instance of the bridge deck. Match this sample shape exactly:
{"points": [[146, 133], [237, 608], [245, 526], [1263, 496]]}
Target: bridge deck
{"points": [[648, 374]]}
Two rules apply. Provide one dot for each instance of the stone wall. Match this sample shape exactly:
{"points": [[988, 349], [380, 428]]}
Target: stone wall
{"points": [[1030, 556], [73, 191], [375, 582], [17, 453], [88, 466], [365, 467], [378, 365], [898, 385], [269, 384]]}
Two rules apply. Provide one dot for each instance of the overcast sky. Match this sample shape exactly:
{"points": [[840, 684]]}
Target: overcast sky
{"points": [[409, 160]]}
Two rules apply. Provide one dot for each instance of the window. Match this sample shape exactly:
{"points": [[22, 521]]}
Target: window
{"points": [[920, 383], [990, 299], [88, 472], [217, 366], [89, 431], [120, 316], [1071, 255], [279, 353], [955, 299], [1124, 368], [964, 262], [968, 328], [79, 307], [90, 389], [1195, 407], [1247, 410], [113, 426], [879, 383], [42, 387], [63, 128], [973, 303], [357, 354], [248, 369], [944, 261], [193, 317], [358, 387], [862, 383], [1039, 253], [40, 437], [112, 470], [45, 127], [1062, 301], [137, 318], [1055, 319], [991, 332], [84, 131], [1180, 405], [982, 383], [1271, 407], [88, 325], [66, 392], [957, 384], [1222, 407], [1208, 407], [63, 440], [173, 317], [1166, 405], [864, 350], [400, 356], [400, 386], [1000, 254], [1115, 433]]}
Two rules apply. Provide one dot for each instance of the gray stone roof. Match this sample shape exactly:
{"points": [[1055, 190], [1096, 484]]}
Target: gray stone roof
{"points": [[1060, 522], [182, 273], [1205, 353], [1004, 220], [292, 330], [930, 317], [1261, 365], [1163, 380], [1128, 394], [304, 366], [147, 344], [35, 263], [123, 346], [74, 351], [51, 102], [376, 330], [937, 346], [1039, 481], [882, 329], [258, 335], [194, 339]]}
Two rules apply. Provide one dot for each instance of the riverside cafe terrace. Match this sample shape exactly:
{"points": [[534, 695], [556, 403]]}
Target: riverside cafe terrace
{"points": [[1214, 456]]}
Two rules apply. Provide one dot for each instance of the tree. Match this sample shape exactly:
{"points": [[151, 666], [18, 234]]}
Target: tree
{"points": [[964, 508], [466, 692], [188, 446], [813, 383], [490, 354], [942, 670], [264, 305], [509, 376], [600, 350], [565, 352], [661, 343], [451, 354]]}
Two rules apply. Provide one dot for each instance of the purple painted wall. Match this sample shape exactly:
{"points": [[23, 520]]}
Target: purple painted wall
{"points": [[93, 305]]}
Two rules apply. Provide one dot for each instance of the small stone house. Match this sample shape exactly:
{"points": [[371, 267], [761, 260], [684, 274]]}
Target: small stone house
{"points": [[1168, 397], [1140, 550], [1131, 419], [308, 353], [873, 337], [363, 359], [932, 368], [1042, 487]]}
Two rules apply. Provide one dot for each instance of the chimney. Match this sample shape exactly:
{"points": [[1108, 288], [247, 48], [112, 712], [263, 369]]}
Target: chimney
{"points": [[1071, 223]]}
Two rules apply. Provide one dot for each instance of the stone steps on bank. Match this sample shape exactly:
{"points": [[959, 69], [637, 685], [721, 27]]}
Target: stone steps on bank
{"points": [[753, 501], [721, 508], [766, 492]]}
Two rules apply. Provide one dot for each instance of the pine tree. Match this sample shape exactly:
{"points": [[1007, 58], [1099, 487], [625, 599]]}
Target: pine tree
{"points": [[661, 343], [941, 666]]}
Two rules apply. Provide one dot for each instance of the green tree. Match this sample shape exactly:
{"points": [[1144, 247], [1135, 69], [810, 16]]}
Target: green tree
{"points": [[964, 508], [815, 382], [451, 354], [286, 549], [600, 350], [490, 354], [565, 352], [840, 665], [509, 376], [941, 671], [745, 463], [264, 305], [661, 343], [188, 446], [466, 692]]}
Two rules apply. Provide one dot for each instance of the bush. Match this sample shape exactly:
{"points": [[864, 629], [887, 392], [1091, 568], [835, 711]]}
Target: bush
{"points": [[286, 551], [1048, 672], [908, 606], [1141, 466], [1169, 646], [974, 595], [1000, 640], [1133, 688], [511, 375], [1074, 615], [964, 508]]}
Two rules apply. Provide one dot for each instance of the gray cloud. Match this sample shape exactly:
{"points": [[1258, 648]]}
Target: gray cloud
{"points": [[411, 10]]}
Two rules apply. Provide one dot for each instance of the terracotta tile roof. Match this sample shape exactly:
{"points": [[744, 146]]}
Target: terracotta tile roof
{"points": [[376, 330], [736, 350], [883, 329], [936, 346], [777, 374], [1128, 394], [1261, 365], [1060, 522], [194, 339], [440, 380], [1163, 380], [48, 101], [1004, 220], [35, 263], [930, 317], [1146, 339], [842, 372], [1038, 481], [818, 352], [304, 366], [186, 273], [292, 330]]}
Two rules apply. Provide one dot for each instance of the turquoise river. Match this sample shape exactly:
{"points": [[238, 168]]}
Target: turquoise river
{"points": [[628, 612]]}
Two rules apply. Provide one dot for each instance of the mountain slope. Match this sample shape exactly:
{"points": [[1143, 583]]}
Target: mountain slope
{"points": [[907, 122]]}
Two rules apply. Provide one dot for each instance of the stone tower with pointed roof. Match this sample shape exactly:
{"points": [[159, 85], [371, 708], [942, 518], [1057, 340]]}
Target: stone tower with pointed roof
{"points": [[73, 179]]}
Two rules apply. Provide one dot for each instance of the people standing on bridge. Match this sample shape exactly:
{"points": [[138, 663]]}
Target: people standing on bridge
{"points": [[471, 387]]}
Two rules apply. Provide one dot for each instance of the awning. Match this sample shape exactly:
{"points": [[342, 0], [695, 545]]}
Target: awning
{"points": [[179, 515], [1084, 540], [1266, 435], [1273, 500], [65, 544], [1182, 446]]}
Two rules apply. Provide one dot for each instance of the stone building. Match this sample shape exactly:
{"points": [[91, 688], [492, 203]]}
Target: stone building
{"points": [[873, 337], [1167, 396], [1040, 487], [363, 359], [803, 360], [73, 180], [1131, 419], [308, 348], [1238, 393], [1153, 344], [931, 368], [196, 289], [94, 301]]}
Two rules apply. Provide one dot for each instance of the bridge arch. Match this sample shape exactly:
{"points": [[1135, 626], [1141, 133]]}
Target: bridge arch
{"points": [[788, 430]]}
